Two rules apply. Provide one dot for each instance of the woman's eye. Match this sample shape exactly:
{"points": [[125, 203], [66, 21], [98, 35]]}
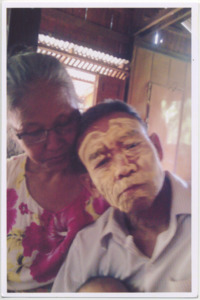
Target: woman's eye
{"points": [[102, 162], [65, 126], [34, 133], [61, 125]]}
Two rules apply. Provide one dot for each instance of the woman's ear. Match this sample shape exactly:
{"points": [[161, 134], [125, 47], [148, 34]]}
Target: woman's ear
{"points": [[88, 183], [13, 147], [156, 141]]}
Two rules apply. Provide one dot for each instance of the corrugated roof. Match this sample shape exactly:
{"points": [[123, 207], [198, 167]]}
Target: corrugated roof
{"points": [[84, 58]]}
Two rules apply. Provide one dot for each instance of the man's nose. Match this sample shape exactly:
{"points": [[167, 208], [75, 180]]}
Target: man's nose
{"points": [[123, 167]]}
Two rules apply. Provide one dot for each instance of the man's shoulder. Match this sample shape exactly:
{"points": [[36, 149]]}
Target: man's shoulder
{"points": [[181, 194], [176, 178], [178, 183]]}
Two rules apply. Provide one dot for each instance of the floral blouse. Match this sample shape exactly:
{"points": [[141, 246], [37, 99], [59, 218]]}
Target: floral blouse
{"points": [[37, 239]]}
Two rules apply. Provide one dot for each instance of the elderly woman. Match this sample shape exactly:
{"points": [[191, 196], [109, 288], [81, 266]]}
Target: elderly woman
{"points": [[47, 203]]}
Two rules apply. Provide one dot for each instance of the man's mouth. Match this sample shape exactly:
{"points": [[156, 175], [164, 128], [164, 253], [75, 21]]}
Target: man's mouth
{"points": [[130, 188]]}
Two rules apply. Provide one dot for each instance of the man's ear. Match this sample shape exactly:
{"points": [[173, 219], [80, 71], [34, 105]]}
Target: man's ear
{"points": [[88, 183], [156, 141]]}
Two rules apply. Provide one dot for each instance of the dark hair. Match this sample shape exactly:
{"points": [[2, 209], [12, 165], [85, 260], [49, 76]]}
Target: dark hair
{"points": [[27, 68], [103, 109]]}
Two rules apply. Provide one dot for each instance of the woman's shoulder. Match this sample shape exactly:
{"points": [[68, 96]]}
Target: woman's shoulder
{"points": [[15, 160], [15, 164]]}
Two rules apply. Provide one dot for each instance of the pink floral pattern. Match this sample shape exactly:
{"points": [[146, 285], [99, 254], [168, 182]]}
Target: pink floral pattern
{"points": [[53, 237], [23, 208], [11, 212], [100, 205], [38, 240]]}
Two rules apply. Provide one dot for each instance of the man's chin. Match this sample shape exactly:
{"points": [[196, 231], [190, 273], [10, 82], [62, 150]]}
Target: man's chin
{"points": [[134, 205], [126, 206]]}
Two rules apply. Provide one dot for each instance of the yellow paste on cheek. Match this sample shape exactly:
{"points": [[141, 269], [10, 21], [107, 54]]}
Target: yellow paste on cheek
{"points": [[143, 161]]}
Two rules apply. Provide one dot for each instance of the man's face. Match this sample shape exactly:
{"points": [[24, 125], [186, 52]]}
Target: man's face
{"points": [[122, 162]]}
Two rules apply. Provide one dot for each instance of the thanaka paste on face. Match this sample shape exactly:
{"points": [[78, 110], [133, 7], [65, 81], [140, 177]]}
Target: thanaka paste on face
{"points": [[141, 163]]}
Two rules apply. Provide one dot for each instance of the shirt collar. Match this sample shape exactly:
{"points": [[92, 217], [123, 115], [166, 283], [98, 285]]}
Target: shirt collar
{"points": [[181, 195], [115, 226]]}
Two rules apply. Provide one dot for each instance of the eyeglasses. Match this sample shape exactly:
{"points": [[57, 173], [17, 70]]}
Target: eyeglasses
{"points": [[40, 136]]}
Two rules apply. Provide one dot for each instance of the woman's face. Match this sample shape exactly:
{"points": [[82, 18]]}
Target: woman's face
{"points": [[46, 107]]}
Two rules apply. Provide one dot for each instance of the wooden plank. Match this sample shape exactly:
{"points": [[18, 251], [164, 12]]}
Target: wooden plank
{"points": [[62, 17], [183, 157], [165, 119], [166, 51], [139, 78], [177, 74], [109, 87], [160, 69], [175, 31]]}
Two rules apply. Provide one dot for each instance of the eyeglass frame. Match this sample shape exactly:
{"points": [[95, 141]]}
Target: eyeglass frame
{"points": [[44, 132]]}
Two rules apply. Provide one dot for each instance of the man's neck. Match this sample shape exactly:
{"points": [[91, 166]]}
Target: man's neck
{"points": [[146, 225], [155, 218]]}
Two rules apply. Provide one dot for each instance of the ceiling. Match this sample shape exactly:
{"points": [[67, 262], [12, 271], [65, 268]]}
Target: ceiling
{"points": [[116, 30], [113, 31]]}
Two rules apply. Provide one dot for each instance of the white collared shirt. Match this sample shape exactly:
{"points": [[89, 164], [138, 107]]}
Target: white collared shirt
{"points": [[105, 248]]}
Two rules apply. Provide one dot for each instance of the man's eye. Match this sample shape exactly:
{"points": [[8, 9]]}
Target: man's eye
{"points": [[130, 146], [102, 162]]}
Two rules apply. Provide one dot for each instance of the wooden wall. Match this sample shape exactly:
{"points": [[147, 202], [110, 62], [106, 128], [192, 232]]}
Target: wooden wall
{"points": [[160, 90], [109, 87], [104, 30]]}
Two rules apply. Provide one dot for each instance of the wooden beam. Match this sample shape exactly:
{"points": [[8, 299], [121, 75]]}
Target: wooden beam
{"points": [[168, 17], [78, 23], [176, 19], [164, 14]]}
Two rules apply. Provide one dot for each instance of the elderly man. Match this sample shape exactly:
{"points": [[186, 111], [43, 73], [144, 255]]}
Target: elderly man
{"points": [[144, 238]]}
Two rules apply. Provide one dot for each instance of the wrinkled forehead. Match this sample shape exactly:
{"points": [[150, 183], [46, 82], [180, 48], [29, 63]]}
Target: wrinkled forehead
{"points": [[106, 126], [106, 130]]}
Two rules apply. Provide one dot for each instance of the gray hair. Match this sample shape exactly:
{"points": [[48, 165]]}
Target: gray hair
{"points": [[26, 69]]}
